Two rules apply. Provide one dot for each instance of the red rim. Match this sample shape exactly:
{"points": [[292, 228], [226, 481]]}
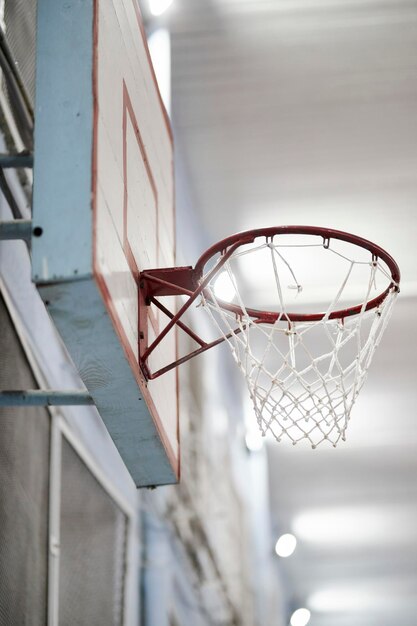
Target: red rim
{"points": [[241, 239]]}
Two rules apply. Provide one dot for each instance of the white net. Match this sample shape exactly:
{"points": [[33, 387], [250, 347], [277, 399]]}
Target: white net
{"points": [[303, 377]]}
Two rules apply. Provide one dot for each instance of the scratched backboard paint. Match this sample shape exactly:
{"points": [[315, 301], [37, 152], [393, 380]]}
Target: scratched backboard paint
{"points": [[134, 194]]}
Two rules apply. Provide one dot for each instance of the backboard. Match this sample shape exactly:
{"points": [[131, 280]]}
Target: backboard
{"points": [[134, 172], [104, 198]]}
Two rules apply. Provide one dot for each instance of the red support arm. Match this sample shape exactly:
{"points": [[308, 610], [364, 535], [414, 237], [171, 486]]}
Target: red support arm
{"points": [[169, 281]]}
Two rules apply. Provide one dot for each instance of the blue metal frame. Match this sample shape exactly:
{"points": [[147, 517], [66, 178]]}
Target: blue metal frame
{"points": [[16, 160], [40, 397], [16, 229]]}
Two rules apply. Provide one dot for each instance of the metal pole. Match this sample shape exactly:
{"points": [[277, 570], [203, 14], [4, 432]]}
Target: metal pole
{"points": [[41, 397], [16, 160], [16, 229]]}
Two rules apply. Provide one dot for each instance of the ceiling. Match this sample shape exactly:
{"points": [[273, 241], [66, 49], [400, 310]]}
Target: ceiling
{"points": [[304, 111], [300, 112]]}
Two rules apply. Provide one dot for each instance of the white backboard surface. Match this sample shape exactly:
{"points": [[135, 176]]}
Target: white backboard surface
{"points": [[133, 194]]}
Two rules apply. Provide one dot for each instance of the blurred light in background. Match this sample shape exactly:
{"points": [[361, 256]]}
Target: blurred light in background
{"points": [[348, 598], [223, 287], [157, 7], [285, 545], [358, 525], [300, 617], [253, 440], [253, 437], [220, 421], [159, 43]]}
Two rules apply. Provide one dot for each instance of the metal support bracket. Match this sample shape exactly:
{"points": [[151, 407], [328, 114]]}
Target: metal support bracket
{"points": [[175, 281], [20, 160], [41, 397], [16, 229]]}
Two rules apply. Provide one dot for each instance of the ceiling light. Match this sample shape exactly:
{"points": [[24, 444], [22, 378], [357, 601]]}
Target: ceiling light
{"points": [[224, 288], [285, 545], [300, 617], [355, 526], [157, 7], [345, 598]]}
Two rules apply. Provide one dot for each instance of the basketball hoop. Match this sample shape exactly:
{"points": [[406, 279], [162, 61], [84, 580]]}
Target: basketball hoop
{"points": [[303, 369]]}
